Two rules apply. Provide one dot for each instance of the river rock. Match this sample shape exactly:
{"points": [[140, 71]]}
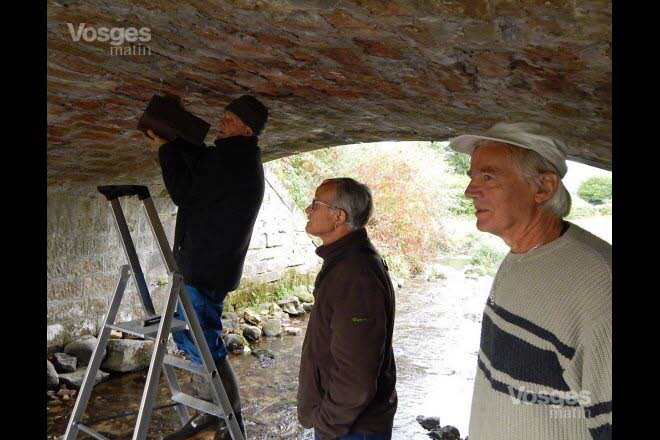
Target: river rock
{"points": [[128, 355], [82, 348], [234, 343], [273, 327], [446, 433], [291, 306], [265, 357], [273, 308], [307, 307], [52, 379], [74, 380], [303, 295], [230, 321], [429, 423], [67, 394], [251, 333], [64, 363], [293, 331], [251, 317], [263, 353], [450, 433]]}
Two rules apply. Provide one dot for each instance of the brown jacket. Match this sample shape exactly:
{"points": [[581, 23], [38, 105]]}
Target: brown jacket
{"points": [[347, 372]]}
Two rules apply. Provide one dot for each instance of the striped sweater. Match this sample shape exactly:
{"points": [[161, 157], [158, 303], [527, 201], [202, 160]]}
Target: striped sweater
{"points": [[545, 360]]}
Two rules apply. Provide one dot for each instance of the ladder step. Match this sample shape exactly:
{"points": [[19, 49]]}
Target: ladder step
{"points": [[136, 328], [90, 431], [198, 404], [184, 364]]}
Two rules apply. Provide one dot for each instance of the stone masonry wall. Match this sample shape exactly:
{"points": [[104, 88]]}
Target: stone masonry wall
{"points": [[85, 254]]}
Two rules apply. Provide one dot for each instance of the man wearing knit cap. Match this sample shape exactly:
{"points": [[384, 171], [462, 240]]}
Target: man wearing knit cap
{"points": [[218, 190], [545, 360]]}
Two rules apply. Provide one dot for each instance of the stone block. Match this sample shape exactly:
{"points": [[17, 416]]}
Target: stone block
{"points": [[82, 349], [74, 380], [127, 355], [65, 363], [64, 289], [52, 379], [274, 239], [272, 327]]}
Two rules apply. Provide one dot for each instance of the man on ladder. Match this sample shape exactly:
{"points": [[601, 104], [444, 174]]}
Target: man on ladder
{"points": [[218, 190]]}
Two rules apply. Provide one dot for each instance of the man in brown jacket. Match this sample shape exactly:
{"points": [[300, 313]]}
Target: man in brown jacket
{"points": [[347, 376]]}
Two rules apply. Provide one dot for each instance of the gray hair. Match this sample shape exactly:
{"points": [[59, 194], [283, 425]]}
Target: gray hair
{"points": [[532, 165], [354, 198]]}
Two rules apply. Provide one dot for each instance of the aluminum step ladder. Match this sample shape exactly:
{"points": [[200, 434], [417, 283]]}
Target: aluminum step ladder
{"points": [[153, 327]]}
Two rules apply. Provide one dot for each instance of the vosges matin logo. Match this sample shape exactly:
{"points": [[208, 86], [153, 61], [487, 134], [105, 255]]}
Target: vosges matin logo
{"points": [[116, 36]]}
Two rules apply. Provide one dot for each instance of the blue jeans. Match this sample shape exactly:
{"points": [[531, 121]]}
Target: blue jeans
{"points": [[208, 305], [352, 436]]}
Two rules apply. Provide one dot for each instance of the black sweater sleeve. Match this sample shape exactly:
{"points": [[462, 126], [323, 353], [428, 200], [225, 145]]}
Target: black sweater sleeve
{"points": [[179, 162]]}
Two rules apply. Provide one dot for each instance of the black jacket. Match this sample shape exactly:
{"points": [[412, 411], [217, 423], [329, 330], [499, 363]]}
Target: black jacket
{"points": [[219, 191]]}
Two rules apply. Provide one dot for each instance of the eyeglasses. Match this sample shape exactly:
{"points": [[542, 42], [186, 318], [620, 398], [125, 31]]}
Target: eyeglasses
{"points": [[314, 202]]}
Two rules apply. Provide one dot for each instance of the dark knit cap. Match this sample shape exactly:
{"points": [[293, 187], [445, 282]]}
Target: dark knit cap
{"points": [[252, 112]]}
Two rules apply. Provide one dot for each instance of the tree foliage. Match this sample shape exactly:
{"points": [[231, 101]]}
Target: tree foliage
{"points": [[596, 190]]}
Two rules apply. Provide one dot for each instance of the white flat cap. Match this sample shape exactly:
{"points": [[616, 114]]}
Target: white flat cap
{"points": [[530, 135]]}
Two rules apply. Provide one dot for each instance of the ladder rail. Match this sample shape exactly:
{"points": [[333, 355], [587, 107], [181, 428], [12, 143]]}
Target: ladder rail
{"points": [[161, 238], [131, 255], [97, 356], [160, 347], [217, 389]]}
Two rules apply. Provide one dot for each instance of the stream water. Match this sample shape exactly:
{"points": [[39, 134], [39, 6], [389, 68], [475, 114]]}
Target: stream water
{"points": [[436, 340]]}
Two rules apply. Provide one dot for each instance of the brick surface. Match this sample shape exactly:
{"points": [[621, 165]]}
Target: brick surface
{"points": [[355, 72]]}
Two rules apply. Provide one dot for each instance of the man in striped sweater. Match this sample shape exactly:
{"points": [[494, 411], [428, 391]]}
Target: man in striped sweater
{"points": [[545, 359]]}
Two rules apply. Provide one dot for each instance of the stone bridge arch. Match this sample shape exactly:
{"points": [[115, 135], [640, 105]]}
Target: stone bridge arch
{"points": [[331, 72]]}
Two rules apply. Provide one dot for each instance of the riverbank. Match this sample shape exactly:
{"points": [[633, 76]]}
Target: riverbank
{"points": [[436, 340]]}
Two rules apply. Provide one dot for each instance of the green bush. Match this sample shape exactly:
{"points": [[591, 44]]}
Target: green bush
{"points": [[251, 294], [596, 190], [485, 259], [458, 204], [404, 178], [459, 163], [580, 209]]}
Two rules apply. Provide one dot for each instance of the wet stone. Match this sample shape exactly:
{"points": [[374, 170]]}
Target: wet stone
{"points": [[82, 348], [303, 295], [252, 333], [292, 306], [64, 392], [234, 343], [252, 317], [266, 357], [429, 423], [445, 433], [74, 380], [292, 331], [450, 433], [273, 308], [51, 375], [65, 363], [263, 353], [272, 327], [127, 355]]}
